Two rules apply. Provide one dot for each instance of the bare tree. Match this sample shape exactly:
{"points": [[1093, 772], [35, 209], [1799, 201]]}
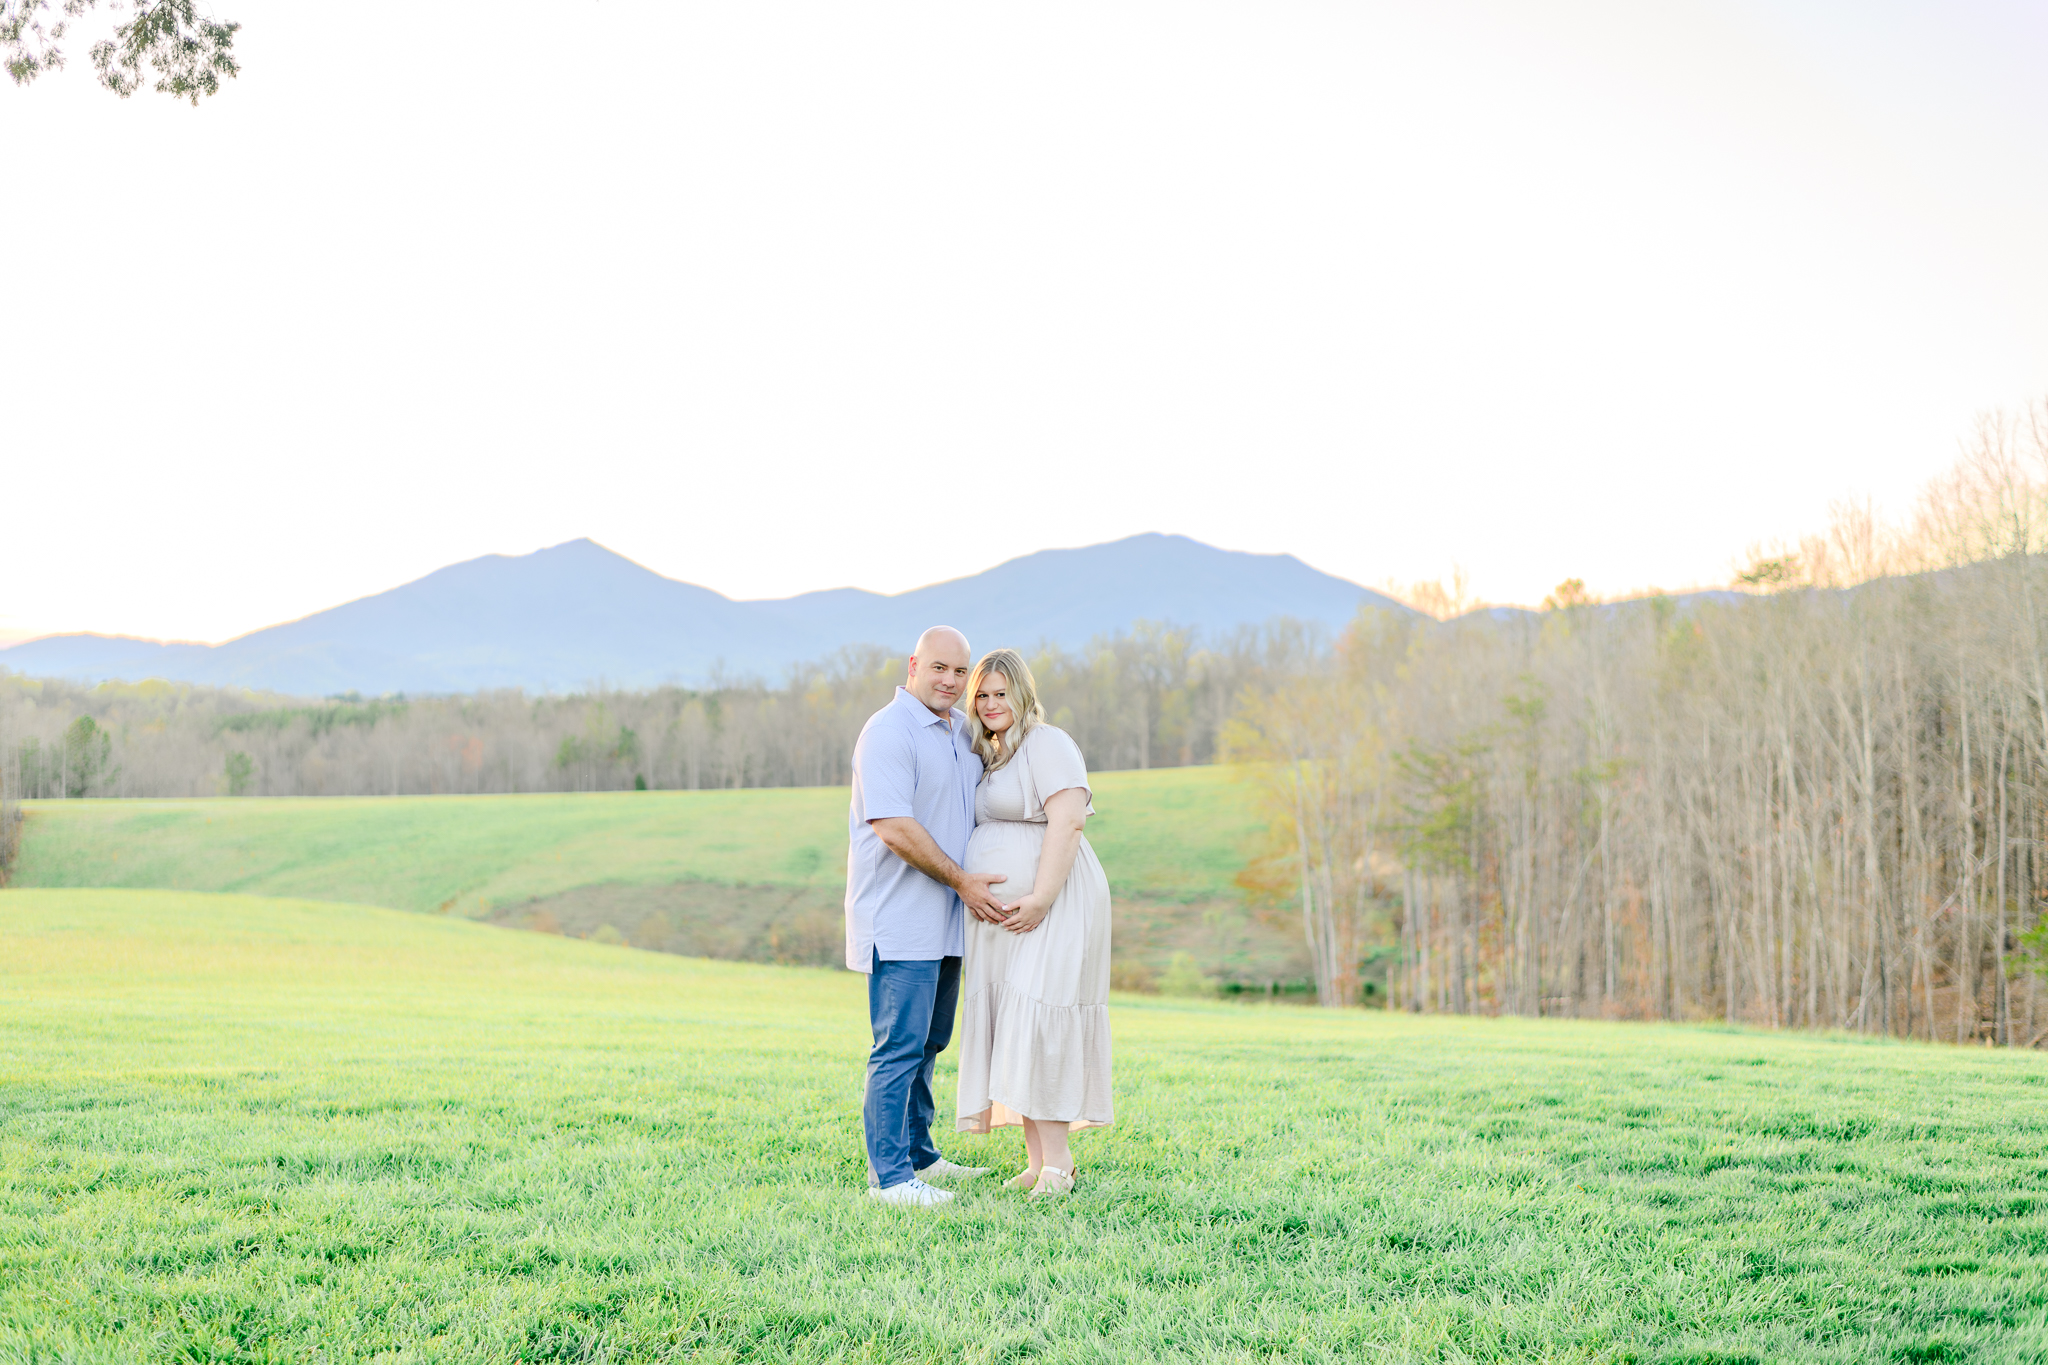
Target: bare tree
{"points": [[1816, 805], [10, 799]]}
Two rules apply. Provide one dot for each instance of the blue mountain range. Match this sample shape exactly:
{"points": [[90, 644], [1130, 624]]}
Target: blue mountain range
{"points": [[577, 614]]}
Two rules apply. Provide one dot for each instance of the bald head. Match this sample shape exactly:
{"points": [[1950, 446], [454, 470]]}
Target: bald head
{"points": [[941, 637], [938, 668]]}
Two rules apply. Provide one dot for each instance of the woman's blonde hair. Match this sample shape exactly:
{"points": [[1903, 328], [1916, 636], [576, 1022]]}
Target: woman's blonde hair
{"points": [[1025, 712]]}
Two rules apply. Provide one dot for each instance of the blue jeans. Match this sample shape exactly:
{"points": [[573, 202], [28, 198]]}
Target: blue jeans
{"points": [[911, 1006]]}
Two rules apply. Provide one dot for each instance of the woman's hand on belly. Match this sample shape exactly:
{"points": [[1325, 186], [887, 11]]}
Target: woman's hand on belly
{"points": [[1027, 914]]}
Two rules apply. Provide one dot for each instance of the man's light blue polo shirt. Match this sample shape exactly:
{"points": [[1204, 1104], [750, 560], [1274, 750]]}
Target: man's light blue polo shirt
{"points": [[908, 761]]}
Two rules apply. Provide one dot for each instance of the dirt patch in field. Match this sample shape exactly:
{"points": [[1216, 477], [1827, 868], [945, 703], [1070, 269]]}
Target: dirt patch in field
{"points": [[1155, 944], [795, 925], [1162, 945]]}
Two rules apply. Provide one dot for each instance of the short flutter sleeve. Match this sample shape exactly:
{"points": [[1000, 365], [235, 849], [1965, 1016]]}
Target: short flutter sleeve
{"points": [[1056, 764]]}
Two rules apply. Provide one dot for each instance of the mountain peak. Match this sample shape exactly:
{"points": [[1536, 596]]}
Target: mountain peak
{"points": [[571, 614]]}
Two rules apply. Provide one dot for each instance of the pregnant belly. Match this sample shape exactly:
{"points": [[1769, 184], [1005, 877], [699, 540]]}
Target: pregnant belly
{"points": [[1010, 847]]}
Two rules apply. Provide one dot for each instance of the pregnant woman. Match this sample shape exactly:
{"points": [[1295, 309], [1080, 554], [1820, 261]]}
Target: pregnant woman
{"points": [[1034, 1047]]}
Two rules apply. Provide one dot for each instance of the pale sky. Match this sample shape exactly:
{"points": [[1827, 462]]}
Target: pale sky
{"points": [[774, 297]]}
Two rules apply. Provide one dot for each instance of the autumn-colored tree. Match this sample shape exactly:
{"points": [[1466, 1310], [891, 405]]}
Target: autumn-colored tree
{"points": [[1318, 744]]}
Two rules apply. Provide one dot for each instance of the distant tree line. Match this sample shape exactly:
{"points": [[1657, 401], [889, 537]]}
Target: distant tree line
{"points": [[1153, 696], [1821, 808]]}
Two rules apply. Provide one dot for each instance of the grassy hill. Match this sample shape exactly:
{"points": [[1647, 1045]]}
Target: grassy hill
{"points": [[750, 874], [249, 1129]]}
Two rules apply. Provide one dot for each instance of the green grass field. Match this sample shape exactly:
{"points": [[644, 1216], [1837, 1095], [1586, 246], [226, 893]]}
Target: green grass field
{"points": [[243, 1129], [657, 869], [1171, 834]]}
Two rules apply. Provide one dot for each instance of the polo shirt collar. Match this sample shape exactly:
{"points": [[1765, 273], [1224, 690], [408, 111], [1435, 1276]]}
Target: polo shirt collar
{"points": [[924, 714]]}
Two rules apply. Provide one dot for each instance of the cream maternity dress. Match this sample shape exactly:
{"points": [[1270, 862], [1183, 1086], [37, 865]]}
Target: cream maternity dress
{"points": [[1034, 1031]]}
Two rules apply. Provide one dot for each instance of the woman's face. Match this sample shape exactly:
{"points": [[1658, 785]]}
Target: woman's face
{"points": [[992, 703]]}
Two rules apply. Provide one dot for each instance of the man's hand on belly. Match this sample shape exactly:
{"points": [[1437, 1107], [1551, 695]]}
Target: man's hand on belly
{"points": [[913, 843], [982, 903]]}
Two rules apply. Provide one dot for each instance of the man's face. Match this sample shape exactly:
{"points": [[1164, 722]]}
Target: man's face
{"points": [[938, 671]]}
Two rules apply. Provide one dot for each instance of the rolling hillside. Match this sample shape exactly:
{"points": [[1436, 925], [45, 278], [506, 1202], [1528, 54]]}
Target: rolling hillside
{"points": [[755, 874]]}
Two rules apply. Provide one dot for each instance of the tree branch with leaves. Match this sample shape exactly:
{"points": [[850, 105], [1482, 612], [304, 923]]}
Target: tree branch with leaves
{"points": [[188, 52]]}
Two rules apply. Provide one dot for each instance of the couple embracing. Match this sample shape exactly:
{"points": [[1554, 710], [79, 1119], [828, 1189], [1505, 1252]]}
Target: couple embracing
{"points": [[968, 875]]}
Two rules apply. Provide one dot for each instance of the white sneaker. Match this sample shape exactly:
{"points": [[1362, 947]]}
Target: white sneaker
{"points": [[911, 1193], [943, 1169]]}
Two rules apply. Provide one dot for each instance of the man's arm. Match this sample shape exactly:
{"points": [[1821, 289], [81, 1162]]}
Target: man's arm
{"points": [[913, 843]]}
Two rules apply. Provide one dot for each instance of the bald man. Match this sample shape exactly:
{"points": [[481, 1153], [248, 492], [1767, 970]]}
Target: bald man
{"points": [[914, 775]]}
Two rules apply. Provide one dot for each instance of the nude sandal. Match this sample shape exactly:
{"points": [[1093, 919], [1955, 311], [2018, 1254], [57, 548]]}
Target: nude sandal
{"points": [[1052, 1182], [1023, 1180]]}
